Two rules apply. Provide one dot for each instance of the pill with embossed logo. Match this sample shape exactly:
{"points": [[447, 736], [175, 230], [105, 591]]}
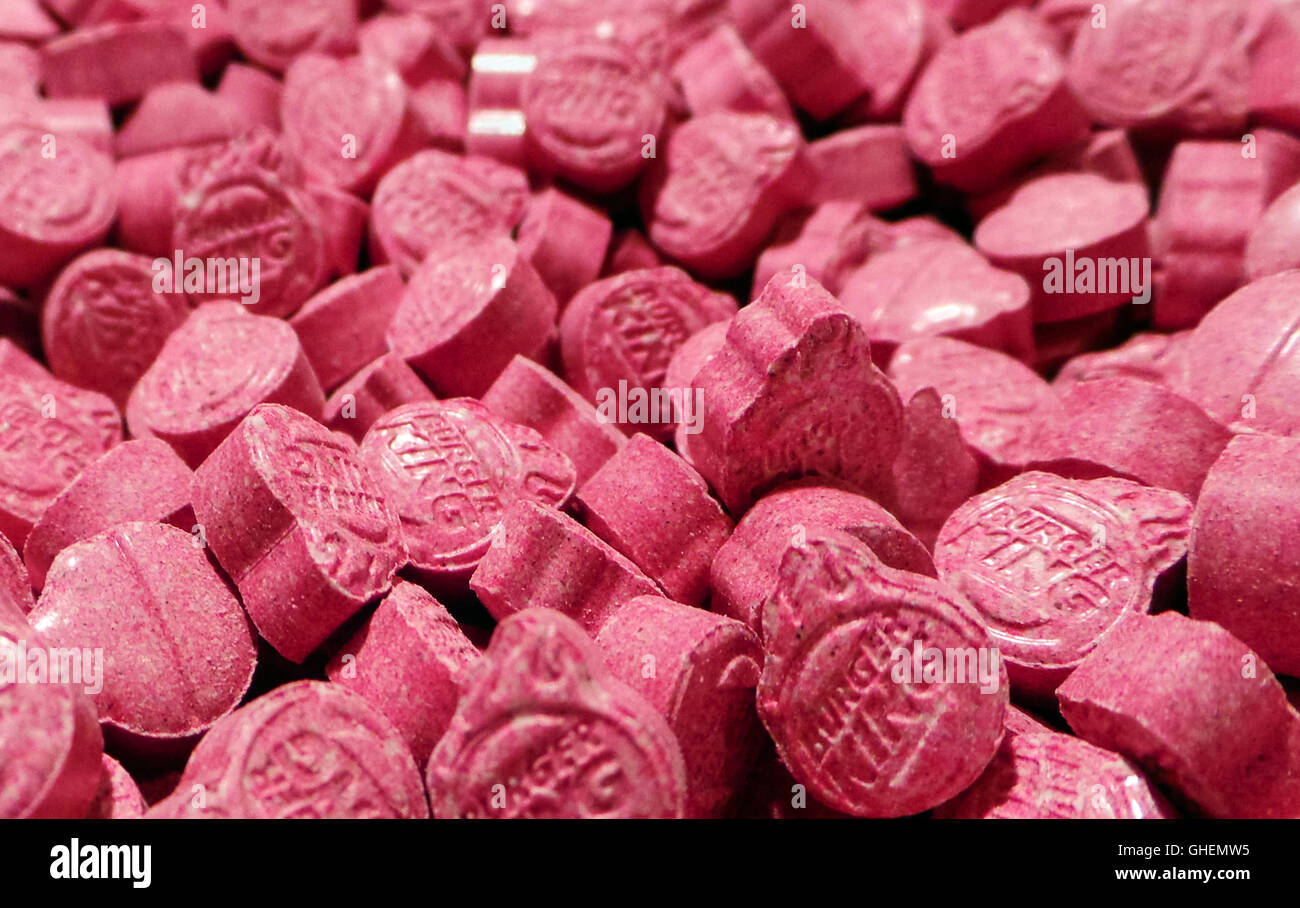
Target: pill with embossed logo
{"points": [[531, 395], [463, 317], [51, 748], [940, 288], [307, 750], [435, 201], [540, 557], [574, 742], [1158, 358], [172, 650], [1049, 776], [60, 197], [1055, 565], [650, 505], [212, 371], [699, 670], [1133, 428], [382, 385], [745, 570], [880, 688], [718, 188], [1197, 709], [450, 469], [991, 101], [1242, 570], [296, 520], [618, 335], [408, 661], [103, 322], [793, 392], [138, 480], [52, 430], [342, 328]]}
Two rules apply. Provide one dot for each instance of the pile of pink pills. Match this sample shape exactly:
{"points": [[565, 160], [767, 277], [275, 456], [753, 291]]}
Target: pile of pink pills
{"points": [[649, 409]]}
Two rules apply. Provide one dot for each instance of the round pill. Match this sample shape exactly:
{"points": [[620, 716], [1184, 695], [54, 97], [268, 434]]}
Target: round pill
{"points": [[136, 481], [307, 750], [212, 371], [450, 469], [1158, 358], [178, 652], [844, 691], [296, 521], [103, 323], [573, 743], [1055, 565]]}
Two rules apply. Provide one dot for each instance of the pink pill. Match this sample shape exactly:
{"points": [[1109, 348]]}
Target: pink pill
{"points": [[718, 72], [20, 70], [439, 107], [378, 387], [274, 34], [618, 335], [434, 201], [935, 472], [823, 241], [1212, 197], [149, 186], [118, 62], [1166, 64], [16, 598], [939, 289], [747, 567], [177, 650], [792, 393], [565, 240], [773, 794], [135, 481], [464, 317], [533, 396], [211, 373], [103, 323], [650, 505], [408, 661], [53, 430], [307, 750], [343, 219], [1019, 722], [629, 250], [542, 558], [578, 745], [591, 107], [1158, 358], [451, 469], [1079, 240], [1136, 429], [1001, 406], [464, 22], [1248, 384], [178, 114], [50, 743], [991, 101], [1274, 92], [1055, 566], [965, 13], [346, 120], [412, 45], [1271, 246], [118, 797], [719, 187], [1242, 570], [342, 328], [868, 164], [254, 92], [260, 203], [834, 629], [61, 197], [25, 20], [1057, 777], [87, 119], [699, 671], [1196, 709], [298, 523]]}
